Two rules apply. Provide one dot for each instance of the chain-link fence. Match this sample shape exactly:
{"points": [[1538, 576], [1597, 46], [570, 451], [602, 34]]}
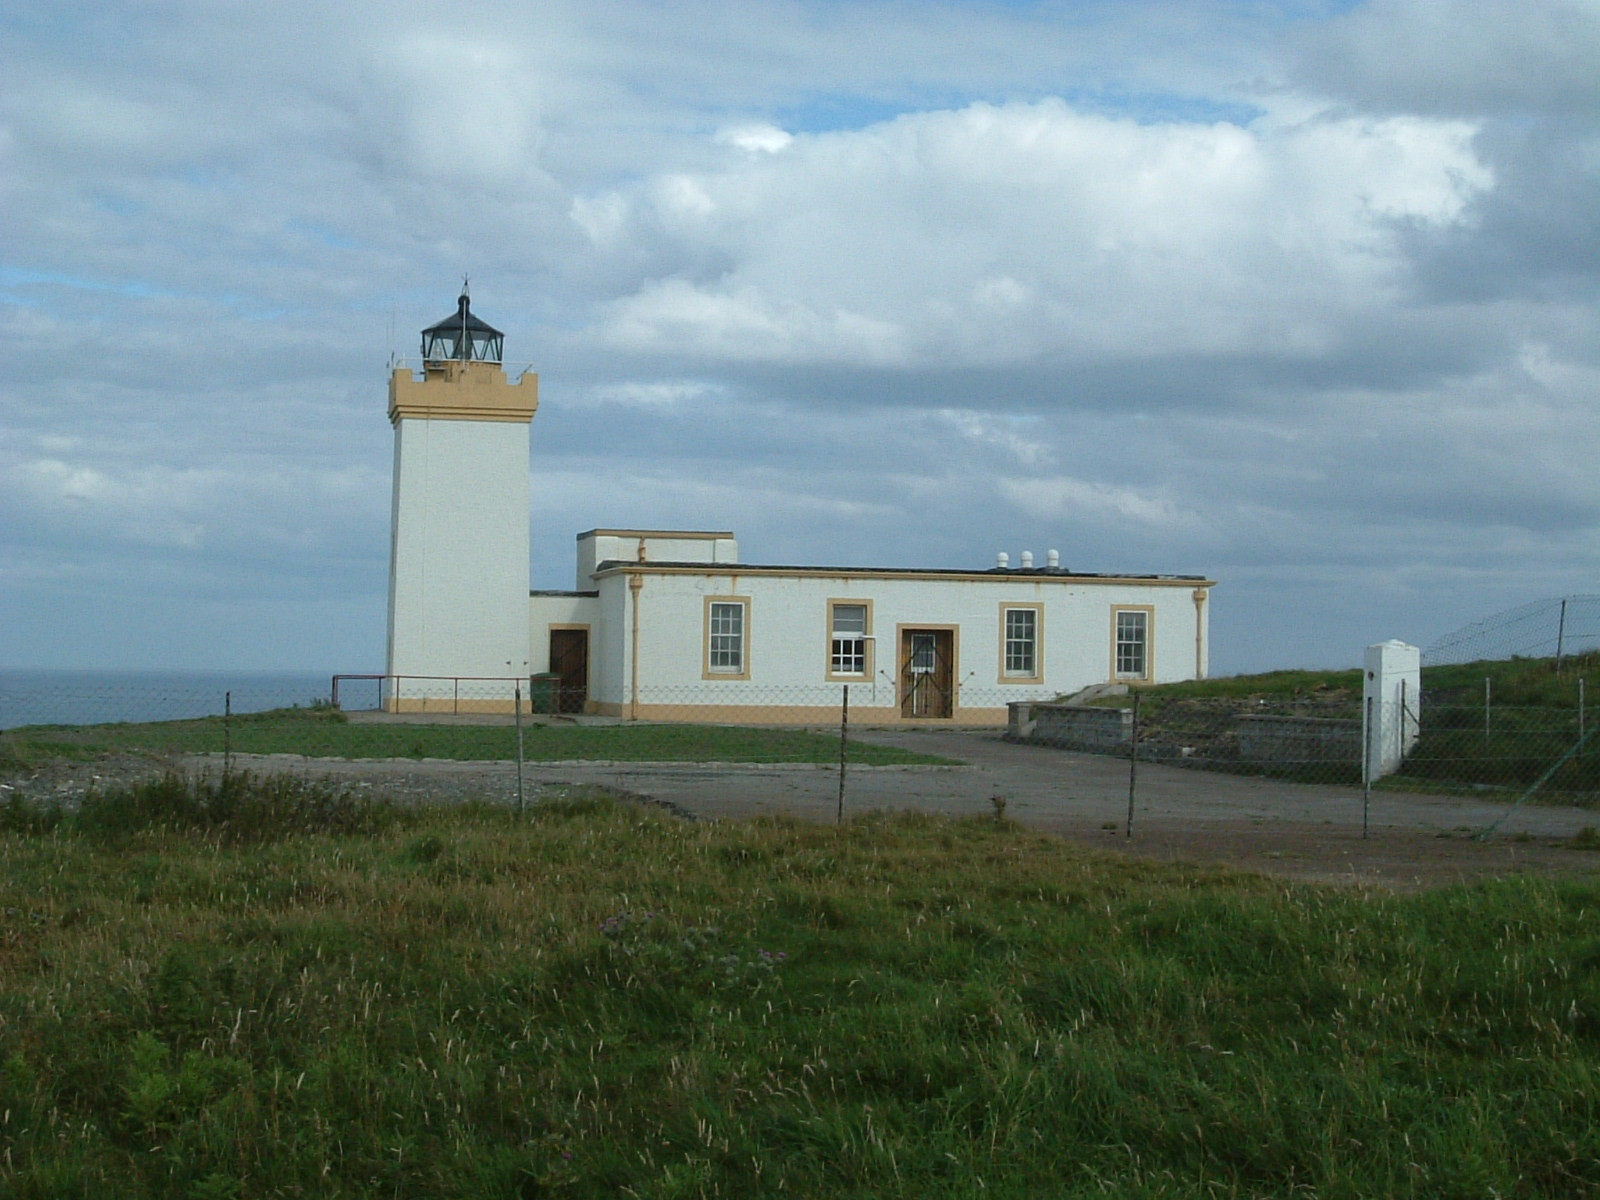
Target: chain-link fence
{"points": [[1556, 629], [1458, 741], [1442, 745]]}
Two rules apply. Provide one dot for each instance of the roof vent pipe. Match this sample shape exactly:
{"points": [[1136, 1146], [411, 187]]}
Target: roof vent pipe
{"points": [[1052, 559], [1002, 561], [1027, 560]]}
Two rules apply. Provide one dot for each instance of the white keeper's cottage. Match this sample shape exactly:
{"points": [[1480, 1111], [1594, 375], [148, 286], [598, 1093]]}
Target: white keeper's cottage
{"points": [[672, 624]]}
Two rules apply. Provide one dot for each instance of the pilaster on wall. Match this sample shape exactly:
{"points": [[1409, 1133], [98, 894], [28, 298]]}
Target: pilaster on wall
{"points": [[1391, 705]]}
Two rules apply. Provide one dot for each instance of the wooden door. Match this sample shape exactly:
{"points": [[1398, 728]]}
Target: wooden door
{"points": [[927, 673], [569, 658]]}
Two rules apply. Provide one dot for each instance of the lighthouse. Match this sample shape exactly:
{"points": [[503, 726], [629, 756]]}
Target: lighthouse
{"points": [[459, 566]]}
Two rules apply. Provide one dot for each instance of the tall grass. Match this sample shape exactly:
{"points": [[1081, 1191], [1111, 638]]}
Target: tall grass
{"points": [[598, 1000]]}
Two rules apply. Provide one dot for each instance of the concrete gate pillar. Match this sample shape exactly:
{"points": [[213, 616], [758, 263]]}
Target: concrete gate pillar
{"points": [[1391, 706]]}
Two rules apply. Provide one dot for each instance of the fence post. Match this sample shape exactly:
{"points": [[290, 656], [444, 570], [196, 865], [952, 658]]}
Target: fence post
{"points": [[517, 700], [1133, 765], [1487, 688], [844, 731], [1366, 769], [227, 734], [1561, 635]]}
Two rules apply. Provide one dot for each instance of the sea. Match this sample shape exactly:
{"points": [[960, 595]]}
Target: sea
{"points": [[34, 697]]}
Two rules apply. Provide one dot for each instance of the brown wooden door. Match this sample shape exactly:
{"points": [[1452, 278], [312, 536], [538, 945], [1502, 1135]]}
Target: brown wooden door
{"points": [[927, 673], [569, 658]]}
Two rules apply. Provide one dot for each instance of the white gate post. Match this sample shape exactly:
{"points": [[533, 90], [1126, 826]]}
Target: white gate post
{"points": [[1392, 680]]}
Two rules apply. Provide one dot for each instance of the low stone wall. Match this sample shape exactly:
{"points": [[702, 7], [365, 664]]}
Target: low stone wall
{"points": [[1071, 726], [1298, 739], [1245, 737]]}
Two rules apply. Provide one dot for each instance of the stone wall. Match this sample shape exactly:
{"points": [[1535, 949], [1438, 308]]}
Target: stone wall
{"points": [[1246, 737], [1071, 726], [1298, 739]]}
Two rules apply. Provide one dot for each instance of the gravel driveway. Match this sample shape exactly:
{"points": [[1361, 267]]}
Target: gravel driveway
{"points": [[1299, 831]]}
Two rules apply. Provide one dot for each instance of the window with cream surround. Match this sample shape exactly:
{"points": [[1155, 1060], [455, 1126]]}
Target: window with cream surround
{"points": [[727, 637], [849, 629], [1131, 647], [1021, 626]]}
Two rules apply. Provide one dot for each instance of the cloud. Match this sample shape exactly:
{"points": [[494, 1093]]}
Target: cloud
{"points": [[1295, 295], [998, 235], [1458, 58], [1081, 500], [758, 138], [1526, 76]]}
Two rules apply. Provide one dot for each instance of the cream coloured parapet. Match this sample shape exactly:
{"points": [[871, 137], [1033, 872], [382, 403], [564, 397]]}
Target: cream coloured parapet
{"points": [[452, 390]]}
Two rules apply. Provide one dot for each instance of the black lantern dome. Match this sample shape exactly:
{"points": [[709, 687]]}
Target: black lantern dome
{"points": [[462, 337]]}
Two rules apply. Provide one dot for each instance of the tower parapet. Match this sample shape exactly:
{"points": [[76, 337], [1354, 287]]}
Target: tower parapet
{"points": [[456, 390]]}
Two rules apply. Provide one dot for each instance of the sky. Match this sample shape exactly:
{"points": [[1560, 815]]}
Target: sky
{"points": [[1297, 295]]}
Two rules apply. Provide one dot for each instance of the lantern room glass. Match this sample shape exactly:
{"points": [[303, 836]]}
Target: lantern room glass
{"points": [[462, 337]]}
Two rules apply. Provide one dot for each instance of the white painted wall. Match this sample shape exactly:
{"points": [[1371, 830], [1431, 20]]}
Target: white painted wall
{"points": [[788, 638], [459, 566], [547, 610], [603, 545]]}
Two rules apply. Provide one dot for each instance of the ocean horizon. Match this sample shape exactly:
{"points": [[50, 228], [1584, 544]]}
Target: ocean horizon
{"points": [[60, 697]]}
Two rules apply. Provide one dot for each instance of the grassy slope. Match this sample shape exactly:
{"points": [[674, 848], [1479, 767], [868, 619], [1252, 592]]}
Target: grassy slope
{"points": [[1514, 683], [1534, 722], [325, 733], [454, 1003]]}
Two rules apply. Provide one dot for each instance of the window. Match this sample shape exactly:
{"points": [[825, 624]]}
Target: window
{"points": [[725, 638], [1022, 642], [1133, 644], [848, 636]]}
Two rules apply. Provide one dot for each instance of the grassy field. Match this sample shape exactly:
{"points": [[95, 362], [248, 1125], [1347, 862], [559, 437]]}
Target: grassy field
{"points": [[319, 732], [243, 989]]}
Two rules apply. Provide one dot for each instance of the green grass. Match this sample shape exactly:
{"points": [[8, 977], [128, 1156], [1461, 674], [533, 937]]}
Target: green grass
{"points": [[1239, 687], [1533, 722], [1513, 683], [598, 1000], [325, 733]]}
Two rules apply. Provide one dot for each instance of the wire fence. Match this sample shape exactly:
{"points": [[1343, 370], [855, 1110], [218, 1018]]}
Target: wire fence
{"points": [[1450, 744], [1555, 629], [1462, 747]]}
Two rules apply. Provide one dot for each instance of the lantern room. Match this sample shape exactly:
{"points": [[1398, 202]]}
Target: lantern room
{"points": [[462, 338]]}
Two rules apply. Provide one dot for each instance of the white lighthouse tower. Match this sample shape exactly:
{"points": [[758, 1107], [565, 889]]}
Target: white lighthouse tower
{"points": [[459, 559]]}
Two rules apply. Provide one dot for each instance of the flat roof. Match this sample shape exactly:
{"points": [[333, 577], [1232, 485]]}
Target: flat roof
{"points": [[707, 568], [686, 534]]}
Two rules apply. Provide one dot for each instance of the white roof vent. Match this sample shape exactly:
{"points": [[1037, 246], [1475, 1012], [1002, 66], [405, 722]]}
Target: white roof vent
{"points": [[1052, 559], [1027, 560], [1002, 561]]}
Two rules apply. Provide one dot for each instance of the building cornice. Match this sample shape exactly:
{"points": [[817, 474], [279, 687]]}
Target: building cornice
{"points": [[686, 535], [1044, 575]]}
